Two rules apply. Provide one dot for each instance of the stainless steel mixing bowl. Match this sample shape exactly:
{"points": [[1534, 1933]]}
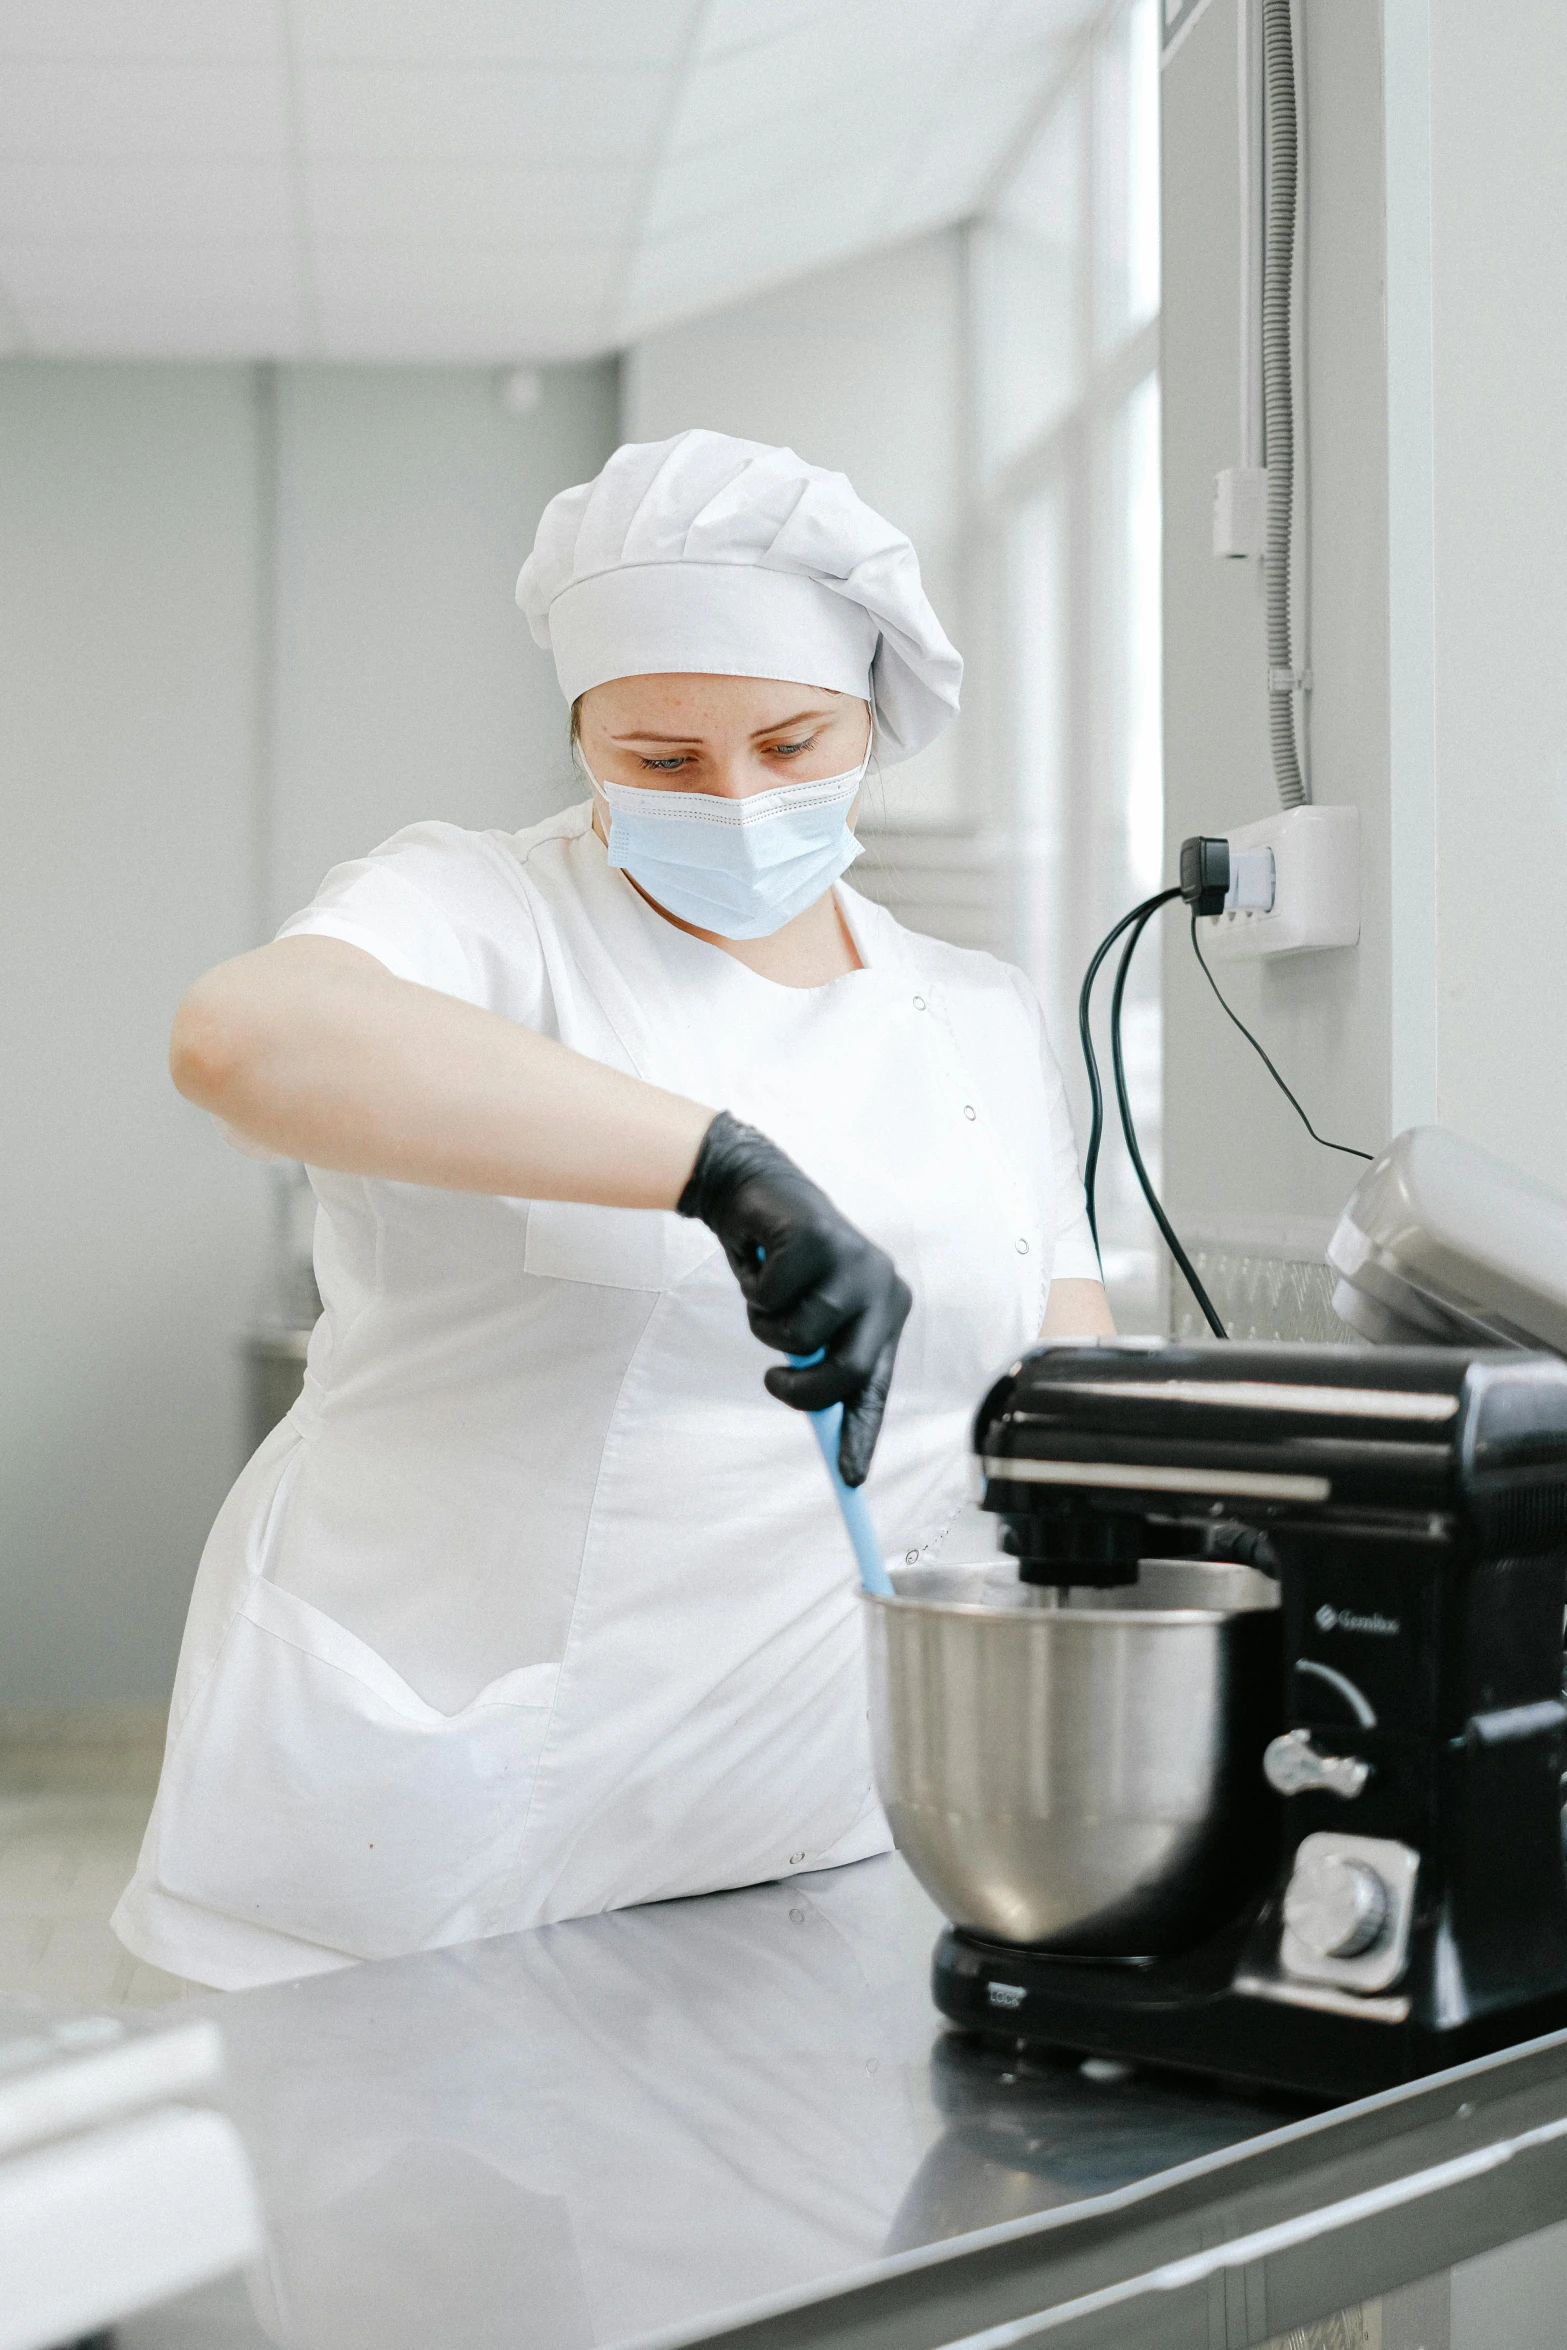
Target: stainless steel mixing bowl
{"points": [[1083, 1777]]}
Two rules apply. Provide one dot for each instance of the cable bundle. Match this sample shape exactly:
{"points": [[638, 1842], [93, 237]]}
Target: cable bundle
{"points": [[1137, 922]]}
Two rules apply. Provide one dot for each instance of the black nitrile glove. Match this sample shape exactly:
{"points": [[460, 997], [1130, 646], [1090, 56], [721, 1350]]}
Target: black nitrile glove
{"points": [[809, 1280]]}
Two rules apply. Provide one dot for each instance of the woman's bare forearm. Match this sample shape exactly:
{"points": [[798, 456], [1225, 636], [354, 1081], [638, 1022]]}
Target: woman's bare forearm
{"points": [[1077, 1309], [312, 1049]]}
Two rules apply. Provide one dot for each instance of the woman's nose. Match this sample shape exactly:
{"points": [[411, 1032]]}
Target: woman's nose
{"points": [[735, 777]]}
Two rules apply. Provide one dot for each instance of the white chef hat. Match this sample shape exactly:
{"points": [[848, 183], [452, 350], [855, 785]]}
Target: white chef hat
{"points": [[705, 553]]}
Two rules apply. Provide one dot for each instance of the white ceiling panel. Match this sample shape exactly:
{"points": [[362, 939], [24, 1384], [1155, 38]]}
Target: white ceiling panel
{"points": [[613, 33], [950, 162], [790, 81], [480, 179], [723, 187], [676, 277], [72, 276], [54, 110], [48, 202], [457, 334], [743, 24], [175, 29], [516, 114], [859, 37], [217, 330], [516, 279], [494, 202]]}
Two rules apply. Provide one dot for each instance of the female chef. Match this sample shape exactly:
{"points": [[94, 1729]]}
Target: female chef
{"points": [[537, 1604]]}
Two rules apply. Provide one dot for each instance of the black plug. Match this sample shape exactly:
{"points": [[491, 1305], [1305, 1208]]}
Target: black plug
{"points": [[1205, 873]]}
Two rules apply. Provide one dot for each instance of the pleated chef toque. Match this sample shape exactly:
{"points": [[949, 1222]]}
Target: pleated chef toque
{"points": [[705, 553]]}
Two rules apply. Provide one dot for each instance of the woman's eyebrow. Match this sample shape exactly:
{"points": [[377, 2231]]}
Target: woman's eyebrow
{"points": [[781, 725], [639, 737], [778, 726]]}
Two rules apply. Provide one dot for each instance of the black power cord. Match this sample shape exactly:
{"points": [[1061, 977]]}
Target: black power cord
{"points": [[1205, 875], [1124, 1104], [1085, 1039], [1137, 922], [1348, 1148]]}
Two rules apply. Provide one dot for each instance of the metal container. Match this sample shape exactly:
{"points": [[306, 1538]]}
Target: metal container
{"points": [[1083, 1776]]}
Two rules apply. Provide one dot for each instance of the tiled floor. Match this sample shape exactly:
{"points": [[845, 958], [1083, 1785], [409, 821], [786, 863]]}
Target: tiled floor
{"points": [[71, 1821]]}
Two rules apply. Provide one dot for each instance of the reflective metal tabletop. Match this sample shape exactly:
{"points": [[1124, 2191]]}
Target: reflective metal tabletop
{"points": [[739, 2117]]}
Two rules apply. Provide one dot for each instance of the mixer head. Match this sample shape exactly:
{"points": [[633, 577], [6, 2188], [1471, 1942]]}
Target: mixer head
{"points": [[1096, 1454]]}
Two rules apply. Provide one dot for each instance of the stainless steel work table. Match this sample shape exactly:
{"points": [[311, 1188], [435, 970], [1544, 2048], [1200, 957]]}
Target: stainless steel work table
{"points": [[739, 2119]]}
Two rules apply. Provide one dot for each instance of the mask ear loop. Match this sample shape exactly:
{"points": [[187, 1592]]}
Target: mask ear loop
{"points": [[870, 746], [592, 780], [596, 793]]}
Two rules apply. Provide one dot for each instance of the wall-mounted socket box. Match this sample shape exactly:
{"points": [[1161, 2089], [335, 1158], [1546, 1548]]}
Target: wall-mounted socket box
{"points": [[1316, 887], [1240, 510]]}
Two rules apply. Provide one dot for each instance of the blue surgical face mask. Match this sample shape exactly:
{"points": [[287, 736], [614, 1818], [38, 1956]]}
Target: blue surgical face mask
{"points": [[740, 868]]}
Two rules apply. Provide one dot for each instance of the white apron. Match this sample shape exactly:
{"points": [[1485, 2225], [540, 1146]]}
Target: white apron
{"points": [[537, 1604]]}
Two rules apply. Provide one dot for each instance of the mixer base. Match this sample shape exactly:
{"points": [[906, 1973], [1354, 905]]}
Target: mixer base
{"points": [[1184, 2013]]}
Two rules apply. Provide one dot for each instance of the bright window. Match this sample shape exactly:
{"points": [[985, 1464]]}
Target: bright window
{"points": [[1066, 287]]}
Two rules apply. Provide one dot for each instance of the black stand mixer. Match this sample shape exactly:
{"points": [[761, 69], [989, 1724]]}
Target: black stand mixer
{"points": [[1392, 1896]]}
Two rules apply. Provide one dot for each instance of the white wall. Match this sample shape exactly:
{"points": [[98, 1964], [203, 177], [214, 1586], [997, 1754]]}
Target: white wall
{"points": [[1436, 311], [247, 626], [131, 1238], [407, 684], [1234, 1151], [863, 368], [1498, 95]]}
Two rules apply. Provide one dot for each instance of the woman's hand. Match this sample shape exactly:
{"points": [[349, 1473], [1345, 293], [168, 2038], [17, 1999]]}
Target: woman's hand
{"points": [[811, 1282]]}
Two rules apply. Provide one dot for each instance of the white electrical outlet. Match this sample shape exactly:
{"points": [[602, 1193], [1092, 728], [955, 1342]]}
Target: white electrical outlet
{"points": [[1240, 510], [1316, 886]]}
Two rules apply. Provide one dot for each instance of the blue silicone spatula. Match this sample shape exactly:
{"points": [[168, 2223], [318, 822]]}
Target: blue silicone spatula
{"points": [[827, 1426]]}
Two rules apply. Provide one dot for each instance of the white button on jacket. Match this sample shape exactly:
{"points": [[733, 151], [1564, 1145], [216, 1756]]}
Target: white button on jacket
{"points": [[537, 1604]]}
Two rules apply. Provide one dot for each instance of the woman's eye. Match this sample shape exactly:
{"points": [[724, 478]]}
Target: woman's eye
{"points": [[663, 766], [790, 750]]}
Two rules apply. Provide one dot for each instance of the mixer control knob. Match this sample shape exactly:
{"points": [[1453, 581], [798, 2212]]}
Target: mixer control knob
{"points": [[1335, 1907], [1292, 1765]]}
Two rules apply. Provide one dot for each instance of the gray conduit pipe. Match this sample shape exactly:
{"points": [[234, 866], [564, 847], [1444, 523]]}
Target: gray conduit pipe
{"points": [[1278, 61]]}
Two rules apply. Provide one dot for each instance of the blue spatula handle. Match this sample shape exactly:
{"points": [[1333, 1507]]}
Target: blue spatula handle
{"points": [[827, 1426]]}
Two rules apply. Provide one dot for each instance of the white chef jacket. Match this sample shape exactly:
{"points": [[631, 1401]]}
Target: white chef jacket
{"points": [[537, 1604]]}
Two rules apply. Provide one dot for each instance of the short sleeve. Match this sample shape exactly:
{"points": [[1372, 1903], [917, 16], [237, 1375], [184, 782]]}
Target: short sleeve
{"points": [[1076, 1258], [440, 907]]}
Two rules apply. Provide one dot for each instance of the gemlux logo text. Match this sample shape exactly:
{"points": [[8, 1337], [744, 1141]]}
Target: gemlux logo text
{"points": [[1341, 1619]]}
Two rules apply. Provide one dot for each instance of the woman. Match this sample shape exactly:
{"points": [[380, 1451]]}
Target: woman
{"points": [[536, 1604]]}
